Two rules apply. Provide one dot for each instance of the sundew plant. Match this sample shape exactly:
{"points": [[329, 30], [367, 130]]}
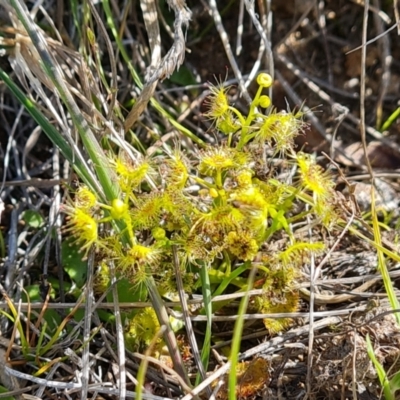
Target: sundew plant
{"points": [[217, 210]]}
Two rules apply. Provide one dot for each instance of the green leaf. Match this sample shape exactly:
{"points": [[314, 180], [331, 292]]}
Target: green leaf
{"points": [[395, 382], [279, 221], [73, 263], [128, 293], [4, 390], [106, 316], [183, 77], [32, 294], [33, 219]]}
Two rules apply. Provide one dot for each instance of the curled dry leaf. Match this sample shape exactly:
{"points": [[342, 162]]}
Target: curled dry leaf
{"points": [[160, 69]]}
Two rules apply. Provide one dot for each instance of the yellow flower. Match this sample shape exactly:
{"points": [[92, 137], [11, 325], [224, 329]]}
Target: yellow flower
{"points": [[279, 129], [217, 159], [142, 328], [83, 227], [242, 245], [217, 102], [313, 177], [85, 199], [227, 123], [130, 173], [137, 256]]}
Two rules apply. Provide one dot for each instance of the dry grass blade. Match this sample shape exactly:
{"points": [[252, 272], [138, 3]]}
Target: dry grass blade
{"points": [[230, 54], [9, 381], [176, 54], [160, 69], [169, 334], [121, 376], [186, 316], [265, 39], [86, 328]]}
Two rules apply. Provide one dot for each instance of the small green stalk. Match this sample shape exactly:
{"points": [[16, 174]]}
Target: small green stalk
{"points": [[237, 336], [264, 81], [389, 122]]}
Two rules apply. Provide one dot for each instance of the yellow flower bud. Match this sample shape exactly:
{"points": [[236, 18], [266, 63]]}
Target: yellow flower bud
{"points": [[264, 80], [264, 101], [213, 193], [158, 233], [118, 209]]}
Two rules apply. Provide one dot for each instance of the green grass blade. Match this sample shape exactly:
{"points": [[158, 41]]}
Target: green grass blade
{"points": [[101, 165], [227, 280], [121, 48], [392, 118], [80, 167], [394, 302], [380, 371]]}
